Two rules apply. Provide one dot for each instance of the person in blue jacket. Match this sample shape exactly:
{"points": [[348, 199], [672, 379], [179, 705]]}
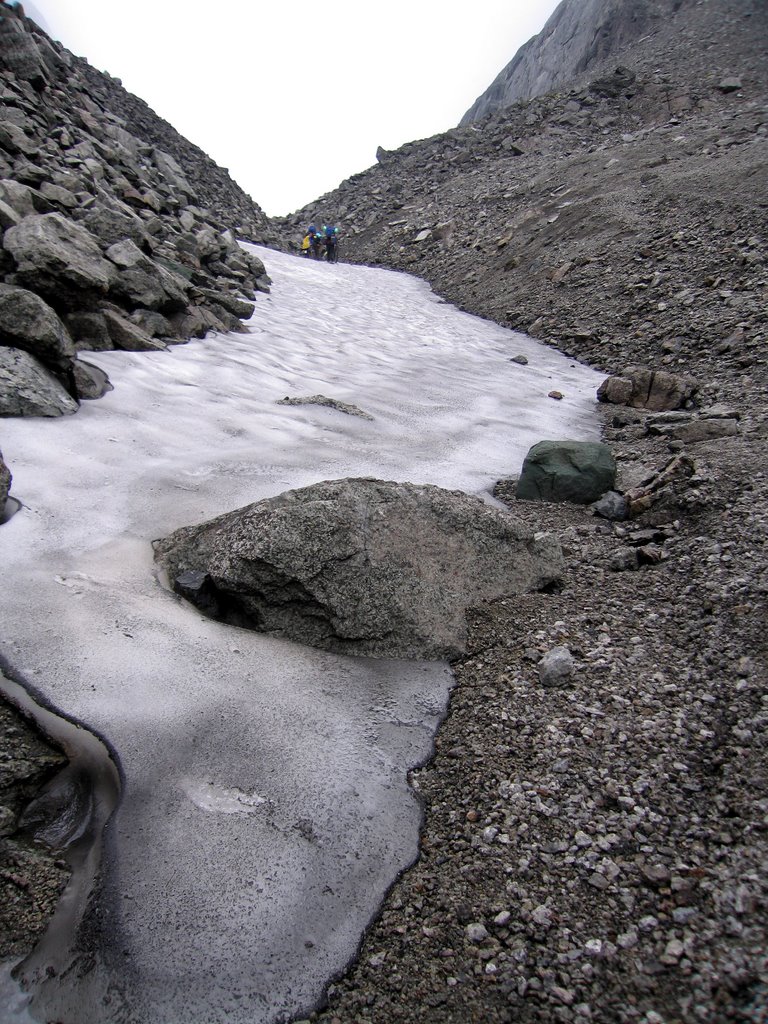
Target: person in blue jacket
{"points": [[331, 238]]}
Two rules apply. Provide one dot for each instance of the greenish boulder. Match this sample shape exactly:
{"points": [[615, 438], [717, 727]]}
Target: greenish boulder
{"points": [[575, 471]]}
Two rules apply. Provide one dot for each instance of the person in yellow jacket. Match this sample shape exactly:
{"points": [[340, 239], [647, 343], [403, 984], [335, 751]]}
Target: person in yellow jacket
{"points": [[305, 246]]}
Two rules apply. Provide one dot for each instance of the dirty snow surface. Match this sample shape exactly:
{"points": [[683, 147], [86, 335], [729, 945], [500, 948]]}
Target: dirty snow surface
{"points": [[266, 807]]}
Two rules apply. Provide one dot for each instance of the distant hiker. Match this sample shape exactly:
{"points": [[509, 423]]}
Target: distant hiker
{"points": [[331, 242], [305, 246], [315, 242]]}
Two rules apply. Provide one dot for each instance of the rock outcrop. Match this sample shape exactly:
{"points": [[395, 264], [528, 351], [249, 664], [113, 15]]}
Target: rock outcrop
{"points": [[579, 35], [116, 231], [359, 566]]}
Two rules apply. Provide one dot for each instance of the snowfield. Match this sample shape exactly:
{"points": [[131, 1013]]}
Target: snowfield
{"points": [[266, 808]]}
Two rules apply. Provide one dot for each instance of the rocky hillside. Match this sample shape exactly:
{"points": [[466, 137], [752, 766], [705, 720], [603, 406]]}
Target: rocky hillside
{"points": [[591, 852], [116, 231], [622, 220], [578, 36]]}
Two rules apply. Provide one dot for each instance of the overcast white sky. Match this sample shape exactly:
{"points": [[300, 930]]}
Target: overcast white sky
{"points": [[293, 96]]}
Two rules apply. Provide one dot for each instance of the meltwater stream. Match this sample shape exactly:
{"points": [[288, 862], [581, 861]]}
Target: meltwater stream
{"points": [[265, 806]]}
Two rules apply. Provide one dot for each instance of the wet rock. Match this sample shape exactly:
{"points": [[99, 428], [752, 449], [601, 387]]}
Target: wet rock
{"points": [[363, 566], [575, 471], [28, 389]]}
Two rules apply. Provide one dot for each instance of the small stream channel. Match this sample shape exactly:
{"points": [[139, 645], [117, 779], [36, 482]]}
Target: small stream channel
{"points": [[69, 815]]}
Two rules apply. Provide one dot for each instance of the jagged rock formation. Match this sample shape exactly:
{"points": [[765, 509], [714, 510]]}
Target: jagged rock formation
{"points": [[359, 566], [117, 232], [579, 35]]}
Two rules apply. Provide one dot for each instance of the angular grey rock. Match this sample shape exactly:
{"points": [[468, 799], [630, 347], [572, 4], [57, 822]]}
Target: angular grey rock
{"points": [[29, 323], [574, 471], [23, 199], [112, 221], [703, 430], [20, 54], [611, 505], [154, 323], [237, 307], [556, 667], [48, 248], [362, 566], [127, 335], [731, 84], [5, 483], [614, 85], [89, 331], [28, 389], [172, 173], [142, 282], [8, 216], [15, 140], [58, 196]]}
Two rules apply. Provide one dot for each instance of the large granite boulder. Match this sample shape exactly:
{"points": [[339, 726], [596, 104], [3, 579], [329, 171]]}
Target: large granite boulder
{"points": [[29, 323], [28, 389], [574, 471], [51, 251], [359, 566]]}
